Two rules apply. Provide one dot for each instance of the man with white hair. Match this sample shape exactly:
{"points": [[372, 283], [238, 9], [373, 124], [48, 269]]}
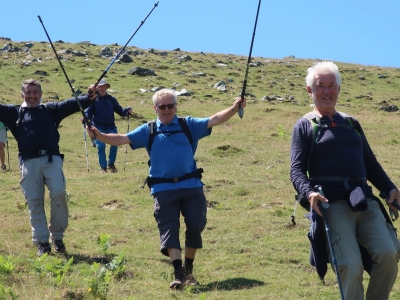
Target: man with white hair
{"points": [[329, 149], [35, 128], [174, 179]]}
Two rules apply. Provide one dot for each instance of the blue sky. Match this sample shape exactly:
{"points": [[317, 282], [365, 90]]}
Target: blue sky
{"points": [[349, 31]]}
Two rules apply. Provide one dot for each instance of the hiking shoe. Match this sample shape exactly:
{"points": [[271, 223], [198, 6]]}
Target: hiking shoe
{"points": [[3, 167], [189, 279], [103, 170], [59, 246], [43, 247], [177, 284], [112, 168]]}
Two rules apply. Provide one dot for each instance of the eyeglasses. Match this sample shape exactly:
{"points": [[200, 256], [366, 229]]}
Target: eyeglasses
{"points": [[164, 106]]}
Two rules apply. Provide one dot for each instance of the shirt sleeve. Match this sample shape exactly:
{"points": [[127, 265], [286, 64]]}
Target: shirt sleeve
{"points": [[299, 153]]}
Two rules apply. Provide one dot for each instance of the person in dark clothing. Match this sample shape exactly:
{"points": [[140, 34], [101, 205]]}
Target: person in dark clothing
{"points": [[174, 179], [3, 141], [341, 161], [101, 113], [34, 127]]}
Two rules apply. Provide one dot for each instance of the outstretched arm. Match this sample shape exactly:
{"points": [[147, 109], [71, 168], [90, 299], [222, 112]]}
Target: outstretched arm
{"points": [[112, 139], [226, 114]]}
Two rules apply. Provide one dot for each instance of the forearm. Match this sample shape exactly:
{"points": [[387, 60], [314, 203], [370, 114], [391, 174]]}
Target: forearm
{"points": [[222, 116], [112, 139]]}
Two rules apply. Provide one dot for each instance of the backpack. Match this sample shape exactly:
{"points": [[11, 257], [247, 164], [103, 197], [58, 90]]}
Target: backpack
{"points": [[152, 134], [21, 112]]}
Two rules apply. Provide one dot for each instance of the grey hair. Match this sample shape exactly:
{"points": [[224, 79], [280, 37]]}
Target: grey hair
{"points": [[31, 82], [326, 65], [162, 93]]}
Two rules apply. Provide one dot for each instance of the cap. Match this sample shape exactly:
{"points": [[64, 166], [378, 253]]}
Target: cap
{"points": [[103, 82]]}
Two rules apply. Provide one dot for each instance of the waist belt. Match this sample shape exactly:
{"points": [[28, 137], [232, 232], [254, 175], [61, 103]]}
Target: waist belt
{"points": [[346, 180], [41, 153], [155, 180]]}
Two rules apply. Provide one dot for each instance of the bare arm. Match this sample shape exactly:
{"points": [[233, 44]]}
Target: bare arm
{"points": [[112, 139], [226, 114]]}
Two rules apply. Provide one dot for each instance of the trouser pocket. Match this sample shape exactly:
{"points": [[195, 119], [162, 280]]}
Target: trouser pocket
{"points": [[393, 235], [341, 260]]}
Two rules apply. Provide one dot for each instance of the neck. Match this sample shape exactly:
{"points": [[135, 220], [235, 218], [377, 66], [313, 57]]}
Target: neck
{"points": [[326, 112]]}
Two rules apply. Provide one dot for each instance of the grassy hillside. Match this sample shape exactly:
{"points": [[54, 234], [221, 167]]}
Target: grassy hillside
{"points": [[251, 249]]}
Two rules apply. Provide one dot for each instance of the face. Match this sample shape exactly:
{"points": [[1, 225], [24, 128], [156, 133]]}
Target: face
{"points": [[31, 95], [167, 114], [325, 91], [102, 89]]}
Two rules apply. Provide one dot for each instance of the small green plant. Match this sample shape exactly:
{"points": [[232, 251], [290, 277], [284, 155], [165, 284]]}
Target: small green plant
{"points": [[104, 241], [281, 132], [59, 268], [7, 293], [99, 286], [6, 265], [117, 267], [250, 204], [37, 263]]}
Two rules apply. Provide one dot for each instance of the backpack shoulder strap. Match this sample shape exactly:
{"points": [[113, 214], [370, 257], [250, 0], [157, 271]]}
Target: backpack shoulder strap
{"points": [[353, 122], [183, 123], [152, 133]]}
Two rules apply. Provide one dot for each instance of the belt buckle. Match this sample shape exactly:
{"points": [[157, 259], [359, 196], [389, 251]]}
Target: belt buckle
{"points": [[42, 152], [175, 179]]}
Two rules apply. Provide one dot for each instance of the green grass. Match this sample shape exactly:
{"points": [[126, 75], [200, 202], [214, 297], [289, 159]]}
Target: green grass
{"points": [[251, 250]]}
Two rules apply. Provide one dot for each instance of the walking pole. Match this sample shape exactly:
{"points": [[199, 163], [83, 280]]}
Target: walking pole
{"points": [[241, 111], [126, 146], [323, 206], [120, 51], [8, 152], [87, 157], [87, 122]]}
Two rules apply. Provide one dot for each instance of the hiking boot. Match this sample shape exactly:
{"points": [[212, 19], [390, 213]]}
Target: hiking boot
{"points": [[112, 168], [103, 170], [177, 284], [189, 279], [59, 246], [43, 247], [3, 167]]}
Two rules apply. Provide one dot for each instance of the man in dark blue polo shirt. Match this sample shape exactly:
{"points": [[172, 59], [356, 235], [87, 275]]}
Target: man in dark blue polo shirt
{"points": [[174, 179]]}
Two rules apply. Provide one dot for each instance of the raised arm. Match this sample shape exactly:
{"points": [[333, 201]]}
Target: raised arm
{"points": [[112, 139], [226, 114]]}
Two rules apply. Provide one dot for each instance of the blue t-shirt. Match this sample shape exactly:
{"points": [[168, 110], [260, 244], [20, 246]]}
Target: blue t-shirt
{"points": [[171, 155]]}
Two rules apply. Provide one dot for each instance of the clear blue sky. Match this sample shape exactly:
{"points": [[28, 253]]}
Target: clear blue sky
{"points": [[352, 31]]}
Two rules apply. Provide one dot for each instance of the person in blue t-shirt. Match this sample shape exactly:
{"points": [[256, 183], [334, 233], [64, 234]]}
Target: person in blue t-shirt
{"points": [[174, 178]]}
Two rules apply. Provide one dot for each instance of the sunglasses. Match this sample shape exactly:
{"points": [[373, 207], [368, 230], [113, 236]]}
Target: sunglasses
{"points": [[164, 106]]}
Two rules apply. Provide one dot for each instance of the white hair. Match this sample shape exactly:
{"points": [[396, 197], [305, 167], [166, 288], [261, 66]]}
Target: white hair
{"points": [[325, 65], [162, 93]]}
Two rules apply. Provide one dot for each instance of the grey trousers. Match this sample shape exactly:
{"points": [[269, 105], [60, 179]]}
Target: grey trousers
{"points": [[35, 174], [370, 230]]}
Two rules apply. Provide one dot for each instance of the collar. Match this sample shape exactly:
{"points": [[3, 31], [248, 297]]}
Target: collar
{"points": [[174, 121]]}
